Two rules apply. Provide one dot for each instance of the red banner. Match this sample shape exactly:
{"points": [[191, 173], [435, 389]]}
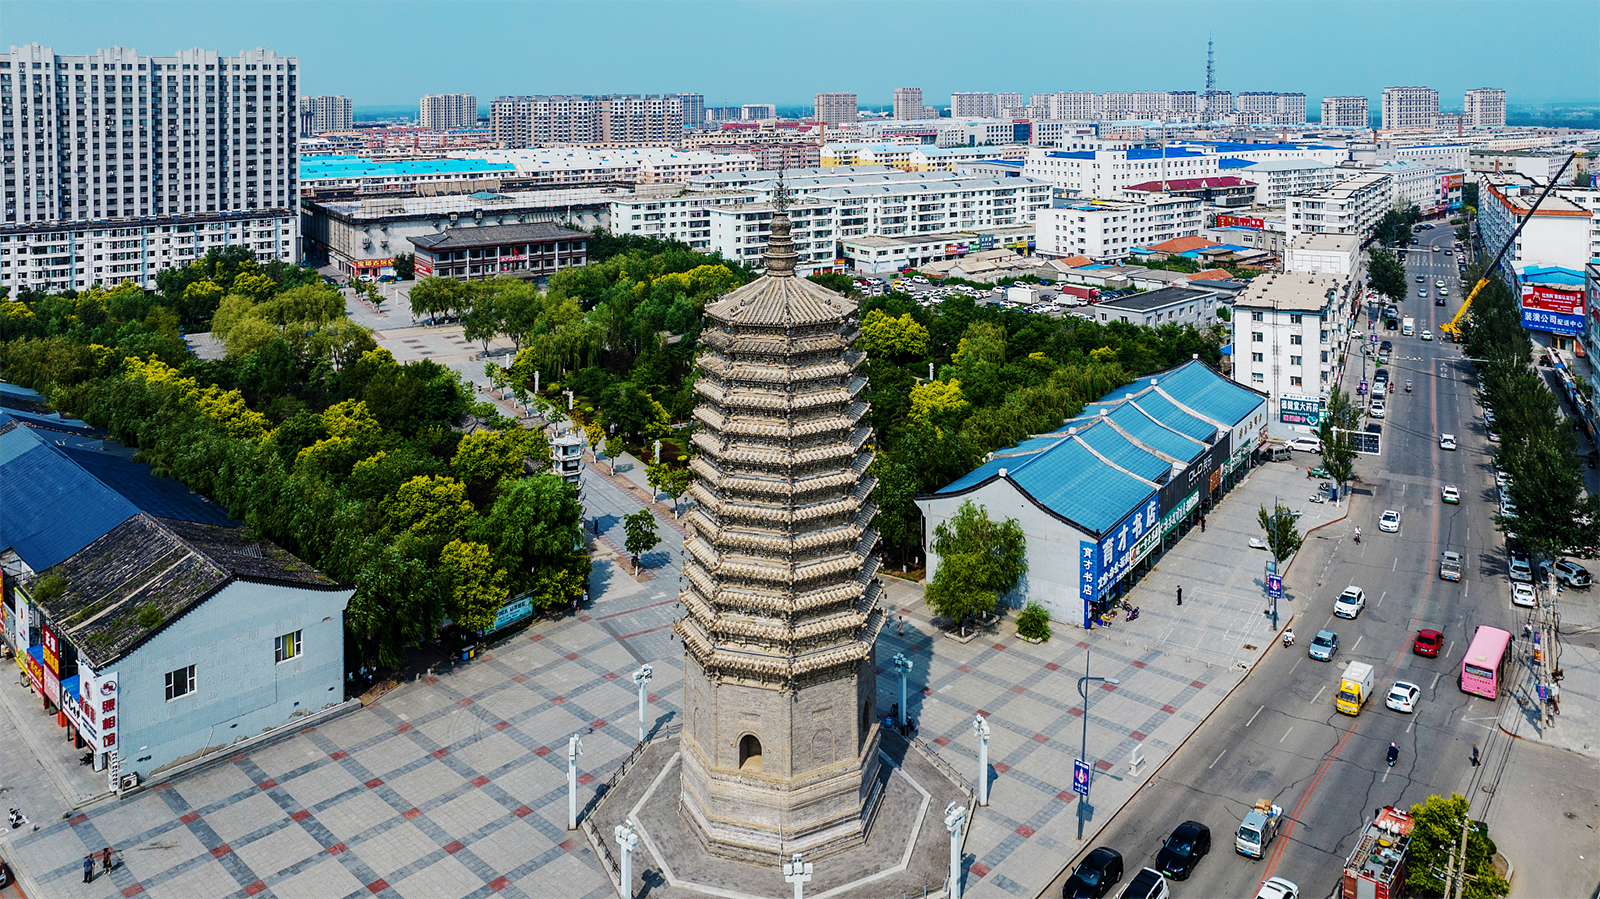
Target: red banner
{"points": [[52, 649], [1236, 221], [1453, 181], [1552, 299]]}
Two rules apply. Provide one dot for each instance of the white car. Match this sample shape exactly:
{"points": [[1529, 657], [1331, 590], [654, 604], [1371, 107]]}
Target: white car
{"points": [[1279, 888], [1377, 409], [1305, 444], [1403, 696], [1522, 595], [1448, 493], [1390, 521], [1350, 602], [1447, 441], [1427, 335]]}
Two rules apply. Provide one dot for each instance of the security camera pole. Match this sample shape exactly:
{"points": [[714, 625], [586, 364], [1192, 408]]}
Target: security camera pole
{"points": [[980, 726], [641, 679], [574, 749]]}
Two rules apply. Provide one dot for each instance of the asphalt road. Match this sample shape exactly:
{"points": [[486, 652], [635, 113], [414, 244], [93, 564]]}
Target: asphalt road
{"points": [[1278, 736]]}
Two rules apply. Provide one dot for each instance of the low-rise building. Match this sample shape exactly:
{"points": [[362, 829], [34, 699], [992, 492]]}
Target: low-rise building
{"points": [[874, 254], [1164, 306], [157, 628], [1290, 332], [1223, 191], [1564, 231], [533, 251], [1103, 174], [1432, 190], [1107, 230], [1352, 206], [1277, 179], [1328, 254], [566, 456]]}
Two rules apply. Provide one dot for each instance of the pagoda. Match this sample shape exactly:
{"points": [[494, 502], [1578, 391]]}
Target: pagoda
{"points": [[780, 736]]}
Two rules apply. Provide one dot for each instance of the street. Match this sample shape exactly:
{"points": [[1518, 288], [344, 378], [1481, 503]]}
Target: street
{"points": [[1278, 736]]}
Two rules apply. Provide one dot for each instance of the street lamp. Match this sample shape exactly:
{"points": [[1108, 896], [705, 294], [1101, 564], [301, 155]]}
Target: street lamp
{"points": [[1082, 682], [980, 726], [627, 841], [574, 749], [798, 873], [903, 666], [641, 679], [955, 815]]}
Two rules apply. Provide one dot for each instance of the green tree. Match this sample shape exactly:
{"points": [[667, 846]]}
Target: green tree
{"points": [[1436, 837], [405, 266], [397, 604], [1339, 418], [614, 448], [430, 506], [1386, 274], [674, 482], [640, 528], [477, 587], [889, 338], [1283, 532], [536, 531], [486, 459], [980, 560], [1033, 622], [433, 296]]}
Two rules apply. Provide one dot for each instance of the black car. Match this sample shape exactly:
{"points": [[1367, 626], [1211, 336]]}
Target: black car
{"points": [[1188, 844], [1095, 876], [1438, 299]]}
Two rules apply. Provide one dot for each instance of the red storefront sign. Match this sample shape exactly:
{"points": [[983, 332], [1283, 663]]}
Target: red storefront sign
{"points": [[1237, 221], [1552, 299], [52, 649], [424, 266], [106, 697]]}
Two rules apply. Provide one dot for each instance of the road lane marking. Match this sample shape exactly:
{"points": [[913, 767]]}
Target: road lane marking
{"points": [[1396, 564], [1380, 598], [1218, 758], [1435, 683], [1465, 587], [1409, 726], [1448, 648], [1357, 643], [1296, 665], [1251, 721], [1286, 734], [1385, 778], [1319, 694]]}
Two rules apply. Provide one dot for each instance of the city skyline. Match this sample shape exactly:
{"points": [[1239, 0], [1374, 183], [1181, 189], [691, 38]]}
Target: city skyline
{"points": [[644, 47]]}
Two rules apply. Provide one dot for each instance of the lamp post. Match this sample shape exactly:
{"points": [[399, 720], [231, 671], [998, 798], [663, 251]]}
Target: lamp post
{"points": [[627, 841], [902, 665], [1082, 683], [980, 726], [574, 749], [641, 679], [955, 815], [798, 873]]}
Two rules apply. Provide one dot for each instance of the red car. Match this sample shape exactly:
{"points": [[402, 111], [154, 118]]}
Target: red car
{"points": [[1428, 643]]}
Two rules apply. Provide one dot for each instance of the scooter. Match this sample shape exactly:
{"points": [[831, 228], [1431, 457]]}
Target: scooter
{"points": [[1408, 387], [1394, 754], [1319, 498], [16, 818], [1288, 638], [1133, 613], [1358, 535]]}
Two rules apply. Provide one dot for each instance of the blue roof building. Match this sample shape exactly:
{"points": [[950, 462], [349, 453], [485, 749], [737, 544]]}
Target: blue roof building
{"points": [[1113, 485]]}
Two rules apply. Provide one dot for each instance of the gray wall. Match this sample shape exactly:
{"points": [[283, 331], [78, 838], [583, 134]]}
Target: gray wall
{"points": [[239, 690]]}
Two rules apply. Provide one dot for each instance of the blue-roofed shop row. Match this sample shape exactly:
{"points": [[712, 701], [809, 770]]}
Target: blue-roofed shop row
{"points": [[156, 627], [1099, 498]]}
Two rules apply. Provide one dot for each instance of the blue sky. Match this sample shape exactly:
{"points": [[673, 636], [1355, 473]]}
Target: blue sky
{"points": [[780, 52]]}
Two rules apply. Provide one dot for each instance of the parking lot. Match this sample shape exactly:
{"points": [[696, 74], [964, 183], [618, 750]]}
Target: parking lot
{"points": [[1050, 299]]}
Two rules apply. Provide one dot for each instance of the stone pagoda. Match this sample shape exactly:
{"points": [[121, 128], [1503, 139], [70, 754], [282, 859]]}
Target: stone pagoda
{"points": [[780, 736]]}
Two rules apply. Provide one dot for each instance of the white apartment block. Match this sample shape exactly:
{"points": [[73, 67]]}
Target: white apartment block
{"points": [[1352, 206], [1421, 185], [443, 112], [92, 198], [1289, 334], [908, 103], [629, 165], [1010, 105], [1326, 254], [328, 114], [972, 104], [1269, 108], [1102, 174], [740, 233], [1276, 180], [833, 108], [1485, 107], [1345, 112], [1109, 230], [611, 119], [1565, 231], [1410, 108], [757, 112], [1440, 156], [1216, 105]]}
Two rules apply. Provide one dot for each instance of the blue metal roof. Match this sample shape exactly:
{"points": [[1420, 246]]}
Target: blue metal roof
{"points": [[1197, 387], [1156, 153], [161, 497], [316, 168], [53, 507], [1143, 427], [1550, 274], [1229, 162], [54, 422], [15, 392]]}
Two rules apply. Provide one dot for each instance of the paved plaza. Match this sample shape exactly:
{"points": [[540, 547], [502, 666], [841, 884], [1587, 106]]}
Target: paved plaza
{"points": [[454, 785]]}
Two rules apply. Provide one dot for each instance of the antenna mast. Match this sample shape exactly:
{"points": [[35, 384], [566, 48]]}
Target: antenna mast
{"points": [[1211, 76]]}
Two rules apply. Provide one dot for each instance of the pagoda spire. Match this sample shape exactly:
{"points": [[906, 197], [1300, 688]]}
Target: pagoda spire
{"points": [[781, 257]]}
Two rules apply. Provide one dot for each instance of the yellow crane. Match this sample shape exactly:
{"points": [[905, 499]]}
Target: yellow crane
{"points": [[1453, 329]]}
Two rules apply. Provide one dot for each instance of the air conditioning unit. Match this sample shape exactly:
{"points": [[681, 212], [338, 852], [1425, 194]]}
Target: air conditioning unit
{"points": [[128, 782]]}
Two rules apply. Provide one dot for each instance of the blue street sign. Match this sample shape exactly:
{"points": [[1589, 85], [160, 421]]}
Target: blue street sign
{"points": [[1272, 566], [1274, 586], [1080, 777]]}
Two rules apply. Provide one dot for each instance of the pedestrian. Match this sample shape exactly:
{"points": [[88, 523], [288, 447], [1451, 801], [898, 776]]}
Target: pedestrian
{"points": [[1180, 596], [1474, 755], [1202, 524], [105, 859], [88, 868], [902, 625]]}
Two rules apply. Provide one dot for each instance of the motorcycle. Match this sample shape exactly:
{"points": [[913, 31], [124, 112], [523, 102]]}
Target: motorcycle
{"points": [[1394, 754], [1288, 638], [1319, 499], [1358, 535], [1408, 387], [1133, 613]]}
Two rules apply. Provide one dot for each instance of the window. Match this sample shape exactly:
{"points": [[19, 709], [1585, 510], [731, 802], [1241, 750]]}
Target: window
{"points": [[180, 683], [1294, 319], [1257, 337], [1257, 378], [1294, 381], [1294, 360], [286, 647], [1255, 316], [1257, 357], [1294, 339]]}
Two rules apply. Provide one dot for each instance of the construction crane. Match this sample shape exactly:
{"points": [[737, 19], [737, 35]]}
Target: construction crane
{"points": [[1453, 329]]}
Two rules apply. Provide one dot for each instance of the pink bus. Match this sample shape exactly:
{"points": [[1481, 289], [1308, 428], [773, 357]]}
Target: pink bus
{"points": [[1484, 666]]}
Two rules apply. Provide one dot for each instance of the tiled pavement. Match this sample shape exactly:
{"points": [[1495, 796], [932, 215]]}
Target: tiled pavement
{"points": [[453, 786]]}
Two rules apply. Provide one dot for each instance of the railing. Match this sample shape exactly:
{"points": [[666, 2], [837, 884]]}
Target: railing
{"points": [[944, 767]]}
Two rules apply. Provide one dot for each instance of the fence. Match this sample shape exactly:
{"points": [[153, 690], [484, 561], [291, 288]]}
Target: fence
{"points": [[597, 843]]}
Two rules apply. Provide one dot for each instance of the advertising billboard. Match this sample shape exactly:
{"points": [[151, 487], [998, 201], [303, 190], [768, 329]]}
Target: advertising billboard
{"points": [[51, 644], [1551, 322], [104, 696], [1119, 548], [1198, 474], [1552, 309], [1299, 410], [1240, 221]]}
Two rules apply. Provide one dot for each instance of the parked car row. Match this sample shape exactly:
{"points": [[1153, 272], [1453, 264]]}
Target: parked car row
{"points": [[1102, 869]]}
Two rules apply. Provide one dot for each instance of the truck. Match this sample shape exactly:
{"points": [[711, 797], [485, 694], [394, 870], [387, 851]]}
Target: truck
{"points": [[1022, 293], [1355, 688], [1450, 565], [1079, 292], [1258, 829], [1408, 326], [1376, 868]]}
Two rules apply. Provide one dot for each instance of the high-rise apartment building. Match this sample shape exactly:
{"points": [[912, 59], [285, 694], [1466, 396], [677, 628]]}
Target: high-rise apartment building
{"points": [[539, 121], [694, 110], [442, 112], [1009, 105], [975, 104], [1344, 112], [757, 112], [1270, 108], [1216, 105], [118, 165], [1484, 107], [835, 108], [908, 103], [1410, 108], [328, 113]]}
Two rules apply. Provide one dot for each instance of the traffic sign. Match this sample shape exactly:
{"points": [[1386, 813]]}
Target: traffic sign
{"points": [[1274, 586], [1080, 777]]}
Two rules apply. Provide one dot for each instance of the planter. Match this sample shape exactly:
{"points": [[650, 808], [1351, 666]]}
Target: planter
{"points": [[956, 636], [1030, 640]]}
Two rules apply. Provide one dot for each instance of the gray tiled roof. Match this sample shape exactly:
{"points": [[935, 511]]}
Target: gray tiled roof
{"points": [[778, 301], [457, 238]]}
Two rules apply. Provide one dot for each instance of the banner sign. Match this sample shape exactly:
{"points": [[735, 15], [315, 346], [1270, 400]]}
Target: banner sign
{"points": [[1553, 322], [51, 645], [105, 698], [1552, 299], [512, 612], [1119, 548], [1198, 473], [1239, 221], [1171, 520], [1300, 410], [1088, 569]]}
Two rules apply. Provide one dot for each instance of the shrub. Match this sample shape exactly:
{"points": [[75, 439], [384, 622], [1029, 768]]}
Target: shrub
{"points": [[1033, 622]]}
